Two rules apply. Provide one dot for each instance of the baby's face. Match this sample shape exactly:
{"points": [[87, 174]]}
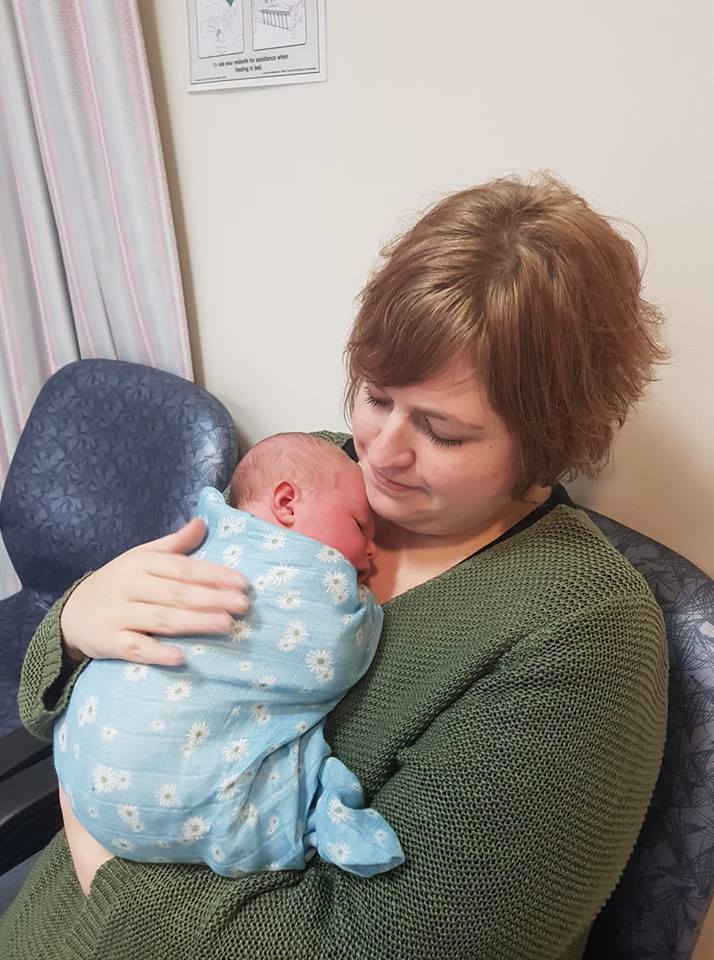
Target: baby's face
{"points": [[341, 517]]}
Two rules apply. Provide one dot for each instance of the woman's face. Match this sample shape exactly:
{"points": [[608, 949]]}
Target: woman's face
{"points": [[449, 457]]}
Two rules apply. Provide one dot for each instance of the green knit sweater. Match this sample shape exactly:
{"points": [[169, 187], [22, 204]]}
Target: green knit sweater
{"points": [[510, 729]]}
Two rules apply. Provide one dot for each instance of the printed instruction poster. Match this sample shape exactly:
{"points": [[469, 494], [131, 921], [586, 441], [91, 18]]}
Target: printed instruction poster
{"points": [[252, 43]]}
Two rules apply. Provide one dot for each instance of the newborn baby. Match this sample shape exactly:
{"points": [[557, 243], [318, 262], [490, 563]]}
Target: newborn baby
{"points": [[222, 760]]}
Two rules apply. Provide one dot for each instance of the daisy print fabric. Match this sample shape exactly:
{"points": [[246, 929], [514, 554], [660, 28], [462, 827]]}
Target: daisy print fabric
{"points": [[223, 760]]}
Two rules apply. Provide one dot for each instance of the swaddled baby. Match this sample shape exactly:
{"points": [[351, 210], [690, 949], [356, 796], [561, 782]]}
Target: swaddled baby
{"points": [[222, 760]]}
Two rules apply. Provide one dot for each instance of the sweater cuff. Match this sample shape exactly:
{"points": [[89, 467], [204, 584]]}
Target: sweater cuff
{"points": [[48, 673]]}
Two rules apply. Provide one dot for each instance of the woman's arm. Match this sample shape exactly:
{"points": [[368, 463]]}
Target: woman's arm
{"points": [[517, 810], [151, 589], [48, 673]]}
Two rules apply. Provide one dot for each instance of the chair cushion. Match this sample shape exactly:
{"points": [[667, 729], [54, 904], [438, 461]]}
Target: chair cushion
{"points": [[113, 454], [20, 615], [659, 905]]}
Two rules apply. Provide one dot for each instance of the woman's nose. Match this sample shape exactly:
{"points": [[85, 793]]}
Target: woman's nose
{"points": [[391, 447]]}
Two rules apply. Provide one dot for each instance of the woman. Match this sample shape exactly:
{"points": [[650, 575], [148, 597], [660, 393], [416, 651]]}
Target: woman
{"points": [[512, 724]]}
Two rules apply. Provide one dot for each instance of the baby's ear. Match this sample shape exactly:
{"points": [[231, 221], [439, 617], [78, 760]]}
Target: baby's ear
{"points": [[283, 502]]}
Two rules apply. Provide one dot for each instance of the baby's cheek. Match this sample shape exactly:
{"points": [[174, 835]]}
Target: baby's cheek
{"points": [[356, 552]]}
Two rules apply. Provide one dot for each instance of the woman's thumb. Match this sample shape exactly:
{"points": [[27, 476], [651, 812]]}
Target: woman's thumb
{"points": [[188, 537]]}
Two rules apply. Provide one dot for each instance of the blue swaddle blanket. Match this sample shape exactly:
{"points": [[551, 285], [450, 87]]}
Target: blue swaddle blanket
{"points": [[222, 760]]}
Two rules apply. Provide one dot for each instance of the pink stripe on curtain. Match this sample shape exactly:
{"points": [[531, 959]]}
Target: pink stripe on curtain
{"points": [[59, 204], [30, 232], [140, 81], [138, 314], [86, 76], [11, 349]]}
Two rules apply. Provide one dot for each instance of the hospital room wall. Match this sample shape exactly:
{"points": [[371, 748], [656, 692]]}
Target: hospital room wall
{"points": [[283, 195]]}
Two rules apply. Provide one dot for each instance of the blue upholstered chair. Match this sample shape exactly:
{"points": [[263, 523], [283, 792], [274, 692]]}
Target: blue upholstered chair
{"points": [[112, 455], [659, 906]]}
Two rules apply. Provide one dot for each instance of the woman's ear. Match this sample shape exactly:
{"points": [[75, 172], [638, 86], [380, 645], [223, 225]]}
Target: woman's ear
{"points": [[283, 501]]}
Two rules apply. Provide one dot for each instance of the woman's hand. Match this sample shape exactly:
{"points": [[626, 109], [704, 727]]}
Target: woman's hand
{"points": [[152, 588], [87, 855]]}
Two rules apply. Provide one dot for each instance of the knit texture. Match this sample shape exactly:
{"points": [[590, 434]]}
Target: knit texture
{"points": [[510, 729]]}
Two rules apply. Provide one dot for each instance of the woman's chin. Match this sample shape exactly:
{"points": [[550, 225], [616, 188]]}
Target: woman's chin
{"points": [[383, 505], [391, 511]]}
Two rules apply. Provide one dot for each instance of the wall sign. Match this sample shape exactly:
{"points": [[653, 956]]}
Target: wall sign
{"points": [[251, 43]]}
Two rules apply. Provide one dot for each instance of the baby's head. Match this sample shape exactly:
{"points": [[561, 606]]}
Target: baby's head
{"points": [[298, 481]]}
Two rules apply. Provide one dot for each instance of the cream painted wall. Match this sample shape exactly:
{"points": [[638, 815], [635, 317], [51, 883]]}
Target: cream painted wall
{"points": [[282, 196]]}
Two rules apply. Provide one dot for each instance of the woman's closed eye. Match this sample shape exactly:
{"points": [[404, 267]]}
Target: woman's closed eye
{"points": [[375, 401], [442, 441], [424, 425]]}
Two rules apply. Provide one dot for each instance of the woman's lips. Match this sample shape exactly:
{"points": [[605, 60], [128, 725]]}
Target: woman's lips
{"points": [[386, 483]]}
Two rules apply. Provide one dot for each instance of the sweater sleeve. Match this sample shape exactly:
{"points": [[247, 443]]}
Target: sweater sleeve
{"points": [[517, 810], [48, 674]]}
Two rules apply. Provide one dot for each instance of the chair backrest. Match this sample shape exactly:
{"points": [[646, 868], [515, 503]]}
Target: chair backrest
{"points": [[659, 905], [113, 454]]}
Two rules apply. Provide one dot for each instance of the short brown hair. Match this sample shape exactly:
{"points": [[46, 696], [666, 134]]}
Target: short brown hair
{"points": [[541, 293], [298, 456]]}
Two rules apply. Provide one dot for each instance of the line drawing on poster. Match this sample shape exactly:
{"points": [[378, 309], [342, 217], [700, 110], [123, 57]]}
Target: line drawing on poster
{"points": [[220, 27], [278, 23]]}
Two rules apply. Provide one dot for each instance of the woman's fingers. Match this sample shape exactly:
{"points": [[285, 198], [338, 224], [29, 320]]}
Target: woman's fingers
{"points": [[152, 589], [139, 648], [188, 537], [184, 595], [190, 570], [174, 621]]}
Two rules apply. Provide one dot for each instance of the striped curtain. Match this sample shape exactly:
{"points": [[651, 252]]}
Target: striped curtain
{"points": [[88, 263]]}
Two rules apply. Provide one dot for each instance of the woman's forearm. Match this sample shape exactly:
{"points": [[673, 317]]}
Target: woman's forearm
{"points": [[49, 671], [499, 860]]}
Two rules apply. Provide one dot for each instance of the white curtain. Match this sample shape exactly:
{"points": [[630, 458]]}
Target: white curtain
{"points": [[88, 263]]}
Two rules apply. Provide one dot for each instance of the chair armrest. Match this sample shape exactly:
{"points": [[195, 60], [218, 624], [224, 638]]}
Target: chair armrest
{"points": [[19, 749], [29, 806]]}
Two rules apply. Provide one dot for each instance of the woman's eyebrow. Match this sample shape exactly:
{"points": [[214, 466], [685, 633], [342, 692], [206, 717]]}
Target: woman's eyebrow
{"points": [[442, 415]]}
